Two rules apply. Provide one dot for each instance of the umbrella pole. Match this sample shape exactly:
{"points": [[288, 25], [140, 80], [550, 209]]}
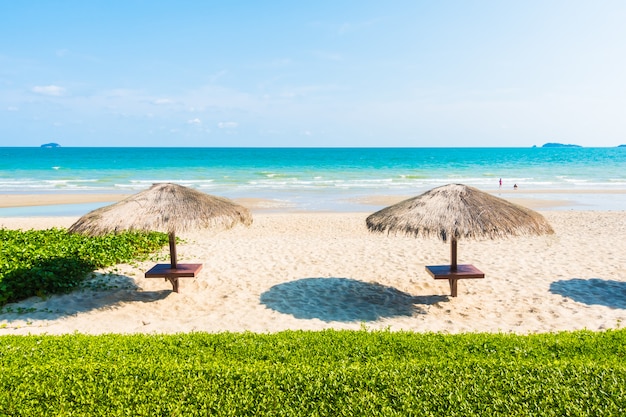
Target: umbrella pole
{"points": [[173, 250], [453, 265], [453, 268]]}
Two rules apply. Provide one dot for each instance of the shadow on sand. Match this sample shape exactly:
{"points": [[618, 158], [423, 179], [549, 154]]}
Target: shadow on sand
{"points": [[592, 291], [343, 299], [100, 292]]}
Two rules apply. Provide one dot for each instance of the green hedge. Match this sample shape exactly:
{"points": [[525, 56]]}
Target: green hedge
{"points": [[328, 373], [41, 262]]}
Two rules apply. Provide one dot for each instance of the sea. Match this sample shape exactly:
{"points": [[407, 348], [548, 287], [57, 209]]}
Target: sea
{"points": [[315, 179]]}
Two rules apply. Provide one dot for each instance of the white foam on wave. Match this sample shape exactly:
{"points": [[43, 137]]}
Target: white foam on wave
{"points": [[172, 180], [33, 185], [56, 182]]}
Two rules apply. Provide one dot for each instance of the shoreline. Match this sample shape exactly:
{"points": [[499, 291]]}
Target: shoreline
{"points": [[533, 198], [52, 199]]}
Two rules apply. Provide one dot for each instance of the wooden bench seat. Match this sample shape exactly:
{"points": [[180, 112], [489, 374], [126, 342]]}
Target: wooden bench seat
{"points": [[461, 272], [172, 274]]}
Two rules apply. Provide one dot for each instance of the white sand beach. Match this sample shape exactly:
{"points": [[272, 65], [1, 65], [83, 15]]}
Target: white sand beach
{"points": [[326, 270]]}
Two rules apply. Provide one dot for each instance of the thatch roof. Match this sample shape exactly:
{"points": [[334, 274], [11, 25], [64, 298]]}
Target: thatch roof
{"points": [[165, 208], [458, 211]]}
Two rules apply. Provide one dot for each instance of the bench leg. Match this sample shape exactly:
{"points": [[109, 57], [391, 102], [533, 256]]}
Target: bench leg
{"points": [[452, 286], [174, 281]]}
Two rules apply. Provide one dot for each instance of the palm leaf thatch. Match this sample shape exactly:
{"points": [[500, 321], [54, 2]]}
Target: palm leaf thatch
{"points": [[168, 208], [453, 212], [164, 208], [457, 211]]}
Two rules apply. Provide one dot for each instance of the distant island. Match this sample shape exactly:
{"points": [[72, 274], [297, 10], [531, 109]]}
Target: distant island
{"points": [[622, 146], [51, 145], [560, 145]]}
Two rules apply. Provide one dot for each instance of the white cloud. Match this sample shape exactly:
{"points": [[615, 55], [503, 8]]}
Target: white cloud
{"points": [[49, 90], [195, 121], [162, 101], [12, 108], [227, 125]]}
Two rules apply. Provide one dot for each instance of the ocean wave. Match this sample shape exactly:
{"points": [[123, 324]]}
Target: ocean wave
{"points": [[240, 182]]}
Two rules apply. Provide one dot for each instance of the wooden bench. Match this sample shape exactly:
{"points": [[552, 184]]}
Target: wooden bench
{"points": [[461, 272], [172, 274]]}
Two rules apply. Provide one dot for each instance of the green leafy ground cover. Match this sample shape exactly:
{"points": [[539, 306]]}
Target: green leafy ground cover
{"points": [[42, 262], [328, 373]]}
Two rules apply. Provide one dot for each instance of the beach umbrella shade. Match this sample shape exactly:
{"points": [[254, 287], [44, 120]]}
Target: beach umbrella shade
{"points": [[168, 208], [456, 211]]}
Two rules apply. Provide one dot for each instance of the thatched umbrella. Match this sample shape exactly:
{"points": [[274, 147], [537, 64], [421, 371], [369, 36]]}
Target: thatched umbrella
{"points": [[454, 212], [168, 208]]}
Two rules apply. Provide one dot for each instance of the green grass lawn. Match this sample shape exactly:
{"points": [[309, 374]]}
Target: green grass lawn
{"points": [[327, 373]]}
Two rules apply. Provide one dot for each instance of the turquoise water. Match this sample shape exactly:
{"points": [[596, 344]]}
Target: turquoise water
{"points": [[310, 178]]}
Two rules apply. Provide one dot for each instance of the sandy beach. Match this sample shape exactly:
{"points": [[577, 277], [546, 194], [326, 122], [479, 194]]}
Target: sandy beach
{"points": [[315, 271]]}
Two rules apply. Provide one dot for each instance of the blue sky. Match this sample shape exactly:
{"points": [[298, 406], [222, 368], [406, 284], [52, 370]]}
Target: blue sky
{"points": [[321, 73]]}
